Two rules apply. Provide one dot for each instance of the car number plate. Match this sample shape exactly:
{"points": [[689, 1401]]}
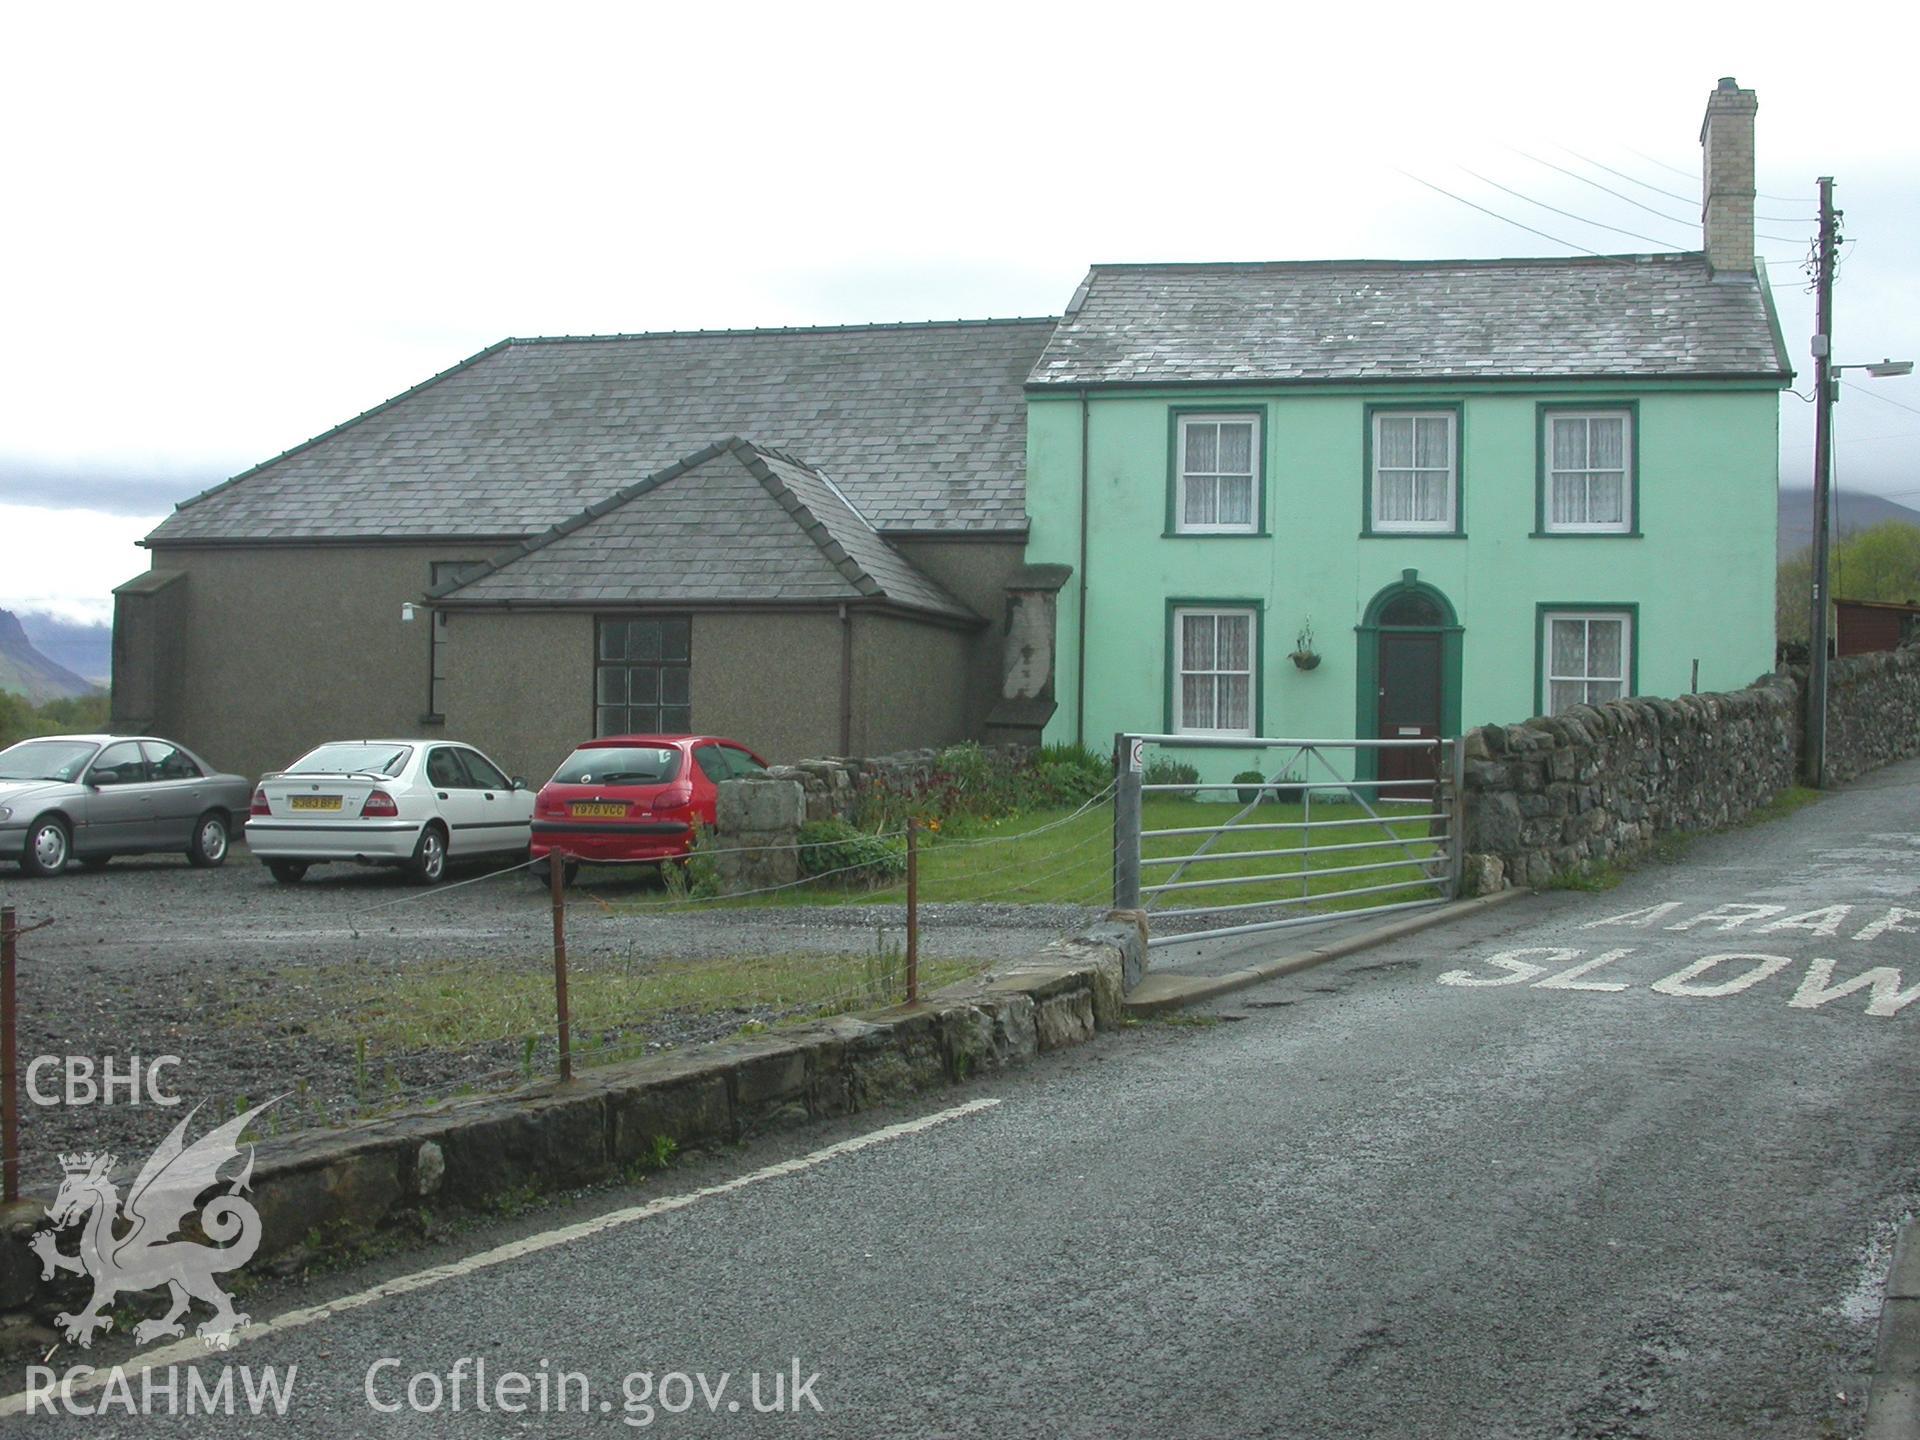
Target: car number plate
{"points": [[314, 802], [589, 810]]}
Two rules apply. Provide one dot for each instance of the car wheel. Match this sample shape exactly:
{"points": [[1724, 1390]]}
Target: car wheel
{"points": [[287, 872], [429, 861], [209, 844], [49, 846]]}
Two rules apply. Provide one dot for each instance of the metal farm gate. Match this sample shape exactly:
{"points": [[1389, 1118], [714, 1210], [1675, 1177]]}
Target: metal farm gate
{"points": [[1333, 827]]}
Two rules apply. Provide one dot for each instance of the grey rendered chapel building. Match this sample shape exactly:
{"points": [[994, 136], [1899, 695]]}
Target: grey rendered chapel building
{"points": [[808, 539]]}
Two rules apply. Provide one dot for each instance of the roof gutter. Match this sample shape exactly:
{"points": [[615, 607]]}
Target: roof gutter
{"points": [[869, 605], [1460, 380]]}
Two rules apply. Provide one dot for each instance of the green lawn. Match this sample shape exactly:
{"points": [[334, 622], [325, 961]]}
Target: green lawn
{"points": [[1059, 857]]}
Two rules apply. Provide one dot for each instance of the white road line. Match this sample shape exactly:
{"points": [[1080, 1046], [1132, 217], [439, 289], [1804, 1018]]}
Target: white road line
{"points": [[196, 1351]]}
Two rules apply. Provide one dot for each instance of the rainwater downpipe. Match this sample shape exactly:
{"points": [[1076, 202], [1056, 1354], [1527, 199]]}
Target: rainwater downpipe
{"points": [[1080, 642], [846, 681]]}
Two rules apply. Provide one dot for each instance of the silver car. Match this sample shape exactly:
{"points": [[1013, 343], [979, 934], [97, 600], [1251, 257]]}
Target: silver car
{"points": [[91, 797]]}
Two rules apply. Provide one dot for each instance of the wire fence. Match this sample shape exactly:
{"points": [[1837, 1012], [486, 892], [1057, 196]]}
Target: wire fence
{"points": [[488, 980]]}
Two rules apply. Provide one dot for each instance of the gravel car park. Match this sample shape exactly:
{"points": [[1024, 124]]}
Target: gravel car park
{"points": [[237, 975]]}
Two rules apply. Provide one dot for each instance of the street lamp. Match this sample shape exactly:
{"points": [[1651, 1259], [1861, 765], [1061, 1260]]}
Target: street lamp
{"points": [[1880, 369], [1829, 396]]}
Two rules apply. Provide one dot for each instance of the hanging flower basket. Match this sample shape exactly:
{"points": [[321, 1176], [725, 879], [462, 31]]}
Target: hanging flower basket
{"points": [[1304, 654]]}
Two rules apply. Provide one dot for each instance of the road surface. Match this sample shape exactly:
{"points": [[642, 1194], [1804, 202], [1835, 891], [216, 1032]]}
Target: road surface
{"points": [[1620, 1164]]}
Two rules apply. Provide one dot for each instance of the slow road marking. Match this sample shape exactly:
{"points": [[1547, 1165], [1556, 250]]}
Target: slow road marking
{"points": [[1710, 977], [186, 1352]]}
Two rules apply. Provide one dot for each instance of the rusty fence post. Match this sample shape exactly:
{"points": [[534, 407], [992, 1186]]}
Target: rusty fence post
{"points": [[557, 884], [913, 911], [9, 1055]]}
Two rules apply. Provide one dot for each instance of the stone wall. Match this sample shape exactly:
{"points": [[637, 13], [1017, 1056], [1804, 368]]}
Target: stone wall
{"points": [[1873, 711], [1600, 783], [757, 822], [1597, 783]]}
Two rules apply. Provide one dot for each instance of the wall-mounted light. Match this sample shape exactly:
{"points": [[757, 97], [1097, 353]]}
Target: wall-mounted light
{"points": [[406, 612]]}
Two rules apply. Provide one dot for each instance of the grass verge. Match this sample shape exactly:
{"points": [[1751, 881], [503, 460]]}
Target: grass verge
{"points": [[453, 1008], [1060, 857]]}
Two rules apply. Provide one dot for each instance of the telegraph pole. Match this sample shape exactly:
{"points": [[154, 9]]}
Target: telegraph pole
{"points": [[1822, 481]]}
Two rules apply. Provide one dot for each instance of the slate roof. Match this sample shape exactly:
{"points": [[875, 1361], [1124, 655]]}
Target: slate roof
{"points": [[924, 426], [733, 522], [1630, 317]]}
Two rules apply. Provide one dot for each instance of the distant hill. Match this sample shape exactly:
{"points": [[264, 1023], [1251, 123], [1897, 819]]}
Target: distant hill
{"points": [[25, 671], [1853, 511], [86, 650]]}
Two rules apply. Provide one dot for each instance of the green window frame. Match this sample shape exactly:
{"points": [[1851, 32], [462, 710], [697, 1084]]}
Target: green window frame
{"points": [[1548, 475], [1563, 663], [642, 675], [1451, 525], [1186, 422], [1181, 663]]}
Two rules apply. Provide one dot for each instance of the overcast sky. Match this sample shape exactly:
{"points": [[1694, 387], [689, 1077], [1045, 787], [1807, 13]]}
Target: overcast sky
{"points": [[233, 227]]}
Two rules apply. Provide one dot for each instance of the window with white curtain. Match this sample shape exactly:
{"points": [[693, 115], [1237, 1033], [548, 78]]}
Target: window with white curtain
{"points": [[1219, 490], [1213, 660], [1589, 657], [1415, 471], [1588, 465]]}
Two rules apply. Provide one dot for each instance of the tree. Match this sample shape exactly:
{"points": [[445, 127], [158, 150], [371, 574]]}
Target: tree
{"points": [[1881, 562], [22, 721]]}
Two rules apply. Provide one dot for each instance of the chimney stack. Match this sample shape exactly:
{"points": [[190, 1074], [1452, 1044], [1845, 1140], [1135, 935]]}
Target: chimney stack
{"points": [[1726, 181]]}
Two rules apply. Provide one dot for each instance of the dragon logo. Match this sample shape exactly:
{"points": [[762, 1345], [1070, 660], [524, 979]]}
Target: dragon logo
{"points": [[133, 1247]]}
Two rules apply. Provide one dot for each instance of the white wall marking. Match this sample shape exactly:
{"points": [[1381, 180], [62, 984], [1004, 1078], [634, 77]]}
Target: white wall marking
{"points": [[1888, 998], [1682, 982], [1570, 979], [187, 1352]]}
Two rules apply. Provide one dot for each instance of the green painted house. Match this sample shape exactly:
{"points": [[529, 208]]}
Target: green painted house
{"points": [[1489, 489]]}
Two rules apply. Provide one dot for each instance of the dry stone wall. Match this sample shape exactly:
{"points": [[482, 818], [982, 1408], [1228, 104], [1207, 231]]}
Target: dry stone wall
{"points": [[1600, 783], [1873, 712], [757, 821]]}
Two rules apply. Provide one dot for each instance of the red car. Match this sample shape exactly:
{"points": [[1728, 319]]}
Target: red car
{"points": [[633, 799]]}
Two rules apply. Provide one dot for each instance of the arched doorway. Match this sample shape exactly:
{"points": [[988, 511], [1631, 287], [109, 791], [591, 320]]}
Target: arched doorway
{"points": [[1409, 677]]}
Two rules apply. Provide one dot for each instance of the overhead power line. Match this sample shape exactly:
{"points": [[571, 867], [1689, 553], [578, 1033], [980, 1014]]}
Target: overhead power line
{"points": [[1675, 195], [1691, 175], [1597, 224], [1683, 199], [1506, 220], [1871, 393], [1608, 190], [1576, 175]]}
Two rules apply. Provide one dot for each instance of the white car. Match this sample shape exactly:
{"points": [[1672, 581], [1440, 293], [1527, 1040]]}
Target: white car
{"points": [[418, 804]]}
